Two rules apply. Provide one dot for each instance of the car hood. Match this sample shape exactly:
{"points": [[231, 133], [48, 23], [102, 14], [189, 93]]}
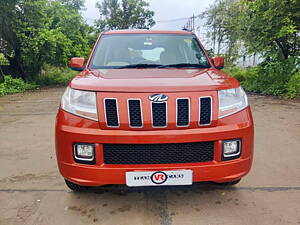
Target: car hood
{"points": [[153, 80]]}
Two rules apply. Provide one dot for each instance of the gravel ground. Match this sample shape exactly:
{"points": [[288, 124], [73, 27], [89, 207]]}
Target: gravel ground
{"points": [[33, 192]]}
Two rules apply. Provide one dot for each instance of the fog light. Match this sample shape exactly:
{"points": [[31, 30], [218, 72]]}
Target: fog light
{"points": [[84, 152], [231, 149]]}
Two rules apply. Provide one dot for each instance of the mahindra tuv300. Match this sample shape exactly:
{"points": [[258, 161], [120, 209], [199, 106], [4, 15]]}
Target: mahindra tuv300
{"points": [[152, 108]]}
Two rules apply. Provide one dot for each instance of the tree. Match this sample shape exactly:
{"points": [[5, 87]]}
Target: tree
{"points": [[73, 4], [271, 27], [126, 14], [38, 32], [221, 21], [268, 27]]}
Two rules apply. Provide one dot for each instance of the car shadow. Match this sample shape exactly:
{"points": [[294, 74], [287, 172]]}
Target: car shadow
{"points": [[123, 189]]}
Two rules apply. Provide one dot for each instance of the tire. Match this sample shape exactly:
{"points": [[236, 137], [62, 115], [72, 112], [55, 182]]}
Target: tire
{"points": [[75, 187], [231, 183]]}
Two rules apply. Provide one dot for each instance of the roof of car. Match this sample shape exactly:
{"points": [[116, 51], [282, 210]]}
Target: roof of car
{"points": [[142, 31]]}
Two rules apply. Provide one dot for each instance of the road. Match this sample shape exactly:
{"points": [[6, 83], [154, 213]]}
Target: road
{"points": [[32, 192]]}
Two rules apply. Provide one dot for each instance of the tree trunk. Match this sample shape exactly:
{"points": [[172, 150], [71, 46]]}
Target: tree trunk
{"points": [[214, 44], [283, 47], [16, 67], [1, 75]]}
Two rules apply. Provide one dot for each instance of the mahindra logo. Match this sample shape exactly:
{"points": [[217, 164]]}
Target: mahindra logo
{"points": [[158, 98]]}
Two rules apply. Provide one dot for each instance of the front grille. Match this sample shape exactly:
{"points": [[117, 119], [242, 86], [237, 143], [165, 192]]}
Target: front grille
{"points": [[183, 112], [158, 153], [159, 114], [138, 111], [111, 112], [205, 110]]}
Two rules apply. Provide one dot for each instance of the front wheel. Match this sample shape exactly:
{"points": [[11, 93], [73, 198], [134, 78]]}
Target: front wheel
{"points": [[231, 183], [75, 187]]}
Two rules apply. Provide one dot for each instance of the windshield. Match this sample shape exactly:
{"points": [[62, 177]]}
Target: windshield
{"points": [[148, 50]]}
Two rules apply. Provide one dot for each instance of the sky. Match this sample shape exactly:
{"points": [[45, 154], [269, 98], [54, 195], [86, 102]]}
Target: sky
{"points": [[164, 10]]}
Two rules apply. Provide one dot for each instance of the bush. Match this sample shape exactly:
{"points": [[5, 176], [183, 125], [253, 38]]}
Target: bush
{"points": [[14, 85], [294, 86], [278, 78], [51, 75], [3, 60]]}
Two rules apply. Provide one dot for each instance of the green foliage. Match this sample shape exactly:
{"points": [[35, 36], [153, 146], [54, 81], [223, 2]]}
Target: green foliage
{"points": [[125, 15], [38, 32], [73, 4], [242, 74], [271, 27], [268, 27], [3, 61], [221, 22], [14, 85], [294, 85], [51, 75], [278, 78]]}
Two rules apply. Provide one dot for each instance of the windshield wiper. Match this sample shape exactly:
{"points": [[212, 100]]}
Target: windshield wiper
{"points": [[139, 66], [185, 65], [179, 65]]}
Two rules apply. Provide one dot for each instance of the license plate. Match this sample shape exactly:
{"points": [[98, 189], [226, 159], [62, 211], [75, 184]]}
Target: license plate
{"points": [[158, 178]]}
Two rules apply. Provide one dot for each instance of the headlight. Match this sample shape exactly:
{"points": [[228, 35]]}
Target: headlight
{"points": [[81, 103], [232, 101]]}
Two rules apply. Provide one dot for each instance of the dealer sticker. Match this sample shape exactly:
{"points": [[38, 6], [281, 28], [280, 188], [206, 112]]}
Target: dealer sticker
{"points": [[154, 178]]}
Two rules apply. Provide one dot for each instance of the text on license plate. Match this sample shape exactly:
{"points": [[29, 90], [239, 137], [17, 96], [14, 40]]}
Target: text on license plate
{"points": [[153, 178]]}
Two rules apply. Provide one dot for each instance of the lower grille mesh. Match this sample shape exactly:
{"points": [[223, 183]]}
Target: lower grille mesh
{"points": [[158, 153]]}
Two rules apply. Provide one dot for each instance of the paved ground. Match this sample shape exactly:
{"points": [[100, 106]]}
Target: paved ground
{"points": [[33, 193]]}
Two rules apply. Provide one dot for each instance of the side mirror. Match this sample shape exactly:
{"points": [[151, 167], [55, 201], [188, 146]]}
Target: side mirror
{"points": [[218, 62], [77, 64]]}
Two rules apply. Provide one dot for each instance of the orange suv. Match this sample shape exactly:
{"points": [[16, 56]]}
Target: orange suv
{"points": [[150, 108]]}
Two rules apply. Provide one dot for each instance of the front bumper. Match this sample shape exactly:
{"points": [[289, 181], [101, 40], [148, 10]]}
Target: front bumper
{"points": [[72, 129]]}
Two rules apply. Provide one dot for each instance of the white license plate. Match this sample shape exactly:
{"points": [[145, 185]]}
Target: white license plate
{"points": [[157, 178]]}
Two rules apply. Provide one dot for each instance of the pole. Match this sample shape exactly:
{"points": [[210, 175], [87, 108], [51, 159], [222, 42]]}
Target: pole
{"points": [[193, 28]]}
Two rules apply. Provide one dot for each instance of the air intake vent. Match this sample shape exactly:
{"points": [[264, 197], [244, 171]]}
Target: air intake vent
{"points": [[159, 114], [158, 153], [183, 112], [111, 112], [205, 111], [135, 113]]}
